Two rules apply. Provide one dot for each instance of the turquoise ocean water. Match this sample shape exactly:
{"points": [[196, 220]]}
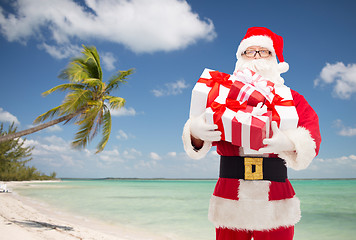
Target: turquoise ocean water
{"points": [[178, 209]]}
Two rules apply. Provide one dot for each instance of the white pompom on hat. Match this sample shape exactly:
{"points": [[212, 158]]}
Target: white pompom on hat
{"points": [[263, 37]]}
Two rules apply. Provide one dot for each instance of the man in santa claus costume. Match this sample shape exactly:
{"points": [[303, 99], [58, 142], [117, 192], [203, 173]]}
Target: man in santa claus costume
{"points": [[262, 208]]}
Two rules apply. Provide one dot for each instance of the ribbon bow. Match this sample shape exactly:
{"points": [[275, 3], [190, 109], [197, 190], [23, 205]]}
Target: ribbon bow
{"points": [[263, 85], [235, 105], [245, 76], [217, 79], [219, 110], [278, 101]]}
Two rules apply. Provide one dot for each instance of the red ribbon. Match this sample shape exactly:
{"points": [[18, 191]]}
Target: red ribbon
{"points": [[219, 110], [217, 79], [278, 101], [235, 105]]}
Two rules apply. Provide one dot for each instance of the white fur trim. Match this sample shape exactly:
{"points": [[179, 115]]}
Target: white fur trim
{"points": [[254, 214], [259, 40], [283, 67], [253, 190], [305, 149], [189, 148]]}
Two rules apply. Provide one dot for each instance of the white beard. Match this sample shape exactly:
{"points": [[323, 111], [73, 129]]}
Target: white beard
{"points": [[266, 67]]}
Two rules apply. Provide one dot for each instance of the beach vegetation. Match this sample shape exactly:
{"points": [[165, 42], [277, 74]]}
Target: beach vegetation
{"points": [[14, 158], [87, 103]]}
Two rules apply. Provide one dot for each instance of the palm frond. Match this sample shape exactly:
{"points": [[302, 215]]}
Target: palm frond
{"points": [[83, 67], [94, 108], [95, 84], [117, 79], [98, 123], [82, 137], [63, 87], [76, 100], [91, 54], [88, 100], [115, 102], [92, 82], [105, 131], [49, 114], [76, 71], [89, 123]]}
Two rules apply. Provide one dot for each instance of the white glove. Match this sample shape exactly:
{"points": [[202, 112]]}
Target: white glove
{"points": [[204, 131], [278, 143]]}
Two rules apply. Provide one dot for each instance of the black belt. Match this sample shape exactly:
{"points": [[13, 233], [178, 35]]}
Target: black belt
{"points": [[253, 168]]}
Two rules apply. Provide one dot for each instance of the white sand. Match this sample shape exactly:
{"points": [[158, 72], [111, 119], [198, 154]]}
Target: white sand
{"points": [[20, 220]]}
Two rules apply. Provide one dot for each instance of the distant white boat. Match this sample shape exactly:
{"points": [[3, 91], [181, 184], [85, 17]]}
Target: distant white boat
{"points": [[3, 188]]}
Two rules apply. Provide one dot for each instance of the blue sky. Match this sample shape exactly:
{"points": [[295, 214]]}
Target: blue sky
{"points": [[169, 43]]}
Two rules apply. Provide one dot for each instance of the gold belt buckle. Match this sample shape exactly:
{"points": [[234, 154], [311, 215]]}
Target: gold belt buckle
{"points": [[253, 168]]}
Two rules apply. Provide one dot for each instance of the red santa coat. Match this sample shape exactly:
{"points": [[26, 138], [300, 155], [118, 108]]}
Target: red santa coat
{"points": [[262, 205]]}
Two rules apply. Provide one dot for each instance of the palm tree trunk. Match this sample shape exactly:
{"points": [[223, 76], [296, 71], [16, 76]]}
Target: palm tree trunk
{"points": [[39, 127]]}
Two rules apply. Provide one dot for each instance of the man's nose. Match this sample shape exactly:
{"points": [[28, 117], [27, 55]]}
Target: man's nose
{"points": [[257, 55]]}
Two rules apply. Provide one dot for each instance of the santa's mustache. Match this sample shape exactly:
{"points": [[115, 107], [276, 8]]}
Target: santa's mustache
{"points": [[257, 65], [267, 68]]}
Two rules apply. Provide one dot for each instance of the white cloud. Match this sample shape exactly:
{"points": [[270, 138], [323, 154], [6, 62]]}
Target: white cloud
{"points": [[8, 117], [51, 129], [172, 88], [122, 135], [114, 156], [131, 153], [336, 167], [343, 79], [172, 154], [155, 156], [145, 164], [339, 161], [347, 131], [123, 112], [55, 152], [110, 156], [143, 26], [56, 140], [344, 130], [54, 128], [68, 160], [108, 60], [61, 51]]}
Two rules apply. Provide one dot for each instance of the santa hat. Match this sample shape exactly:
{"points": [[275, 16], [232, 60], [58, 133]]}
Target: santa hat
{"points": [[263, 37]]}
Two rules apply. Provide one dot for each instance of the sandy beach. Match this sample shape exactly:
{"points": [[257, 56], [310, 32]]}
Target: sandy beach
{"points": [[21, 220]]}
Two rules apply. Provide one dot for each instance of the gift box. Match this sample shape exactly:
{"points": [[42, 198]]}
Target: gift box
{"points": [[212, 85], [251, 87], [222, 115], [250, 127], [242, 125], [246, 93], [283, 108]]}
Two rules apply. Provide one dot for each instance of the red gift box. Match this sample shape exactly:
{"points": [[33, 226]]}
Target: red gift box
{"points": [[246, 92], [222, 115], [240, 124], [249, 129], [211, 84], [251, 87]]}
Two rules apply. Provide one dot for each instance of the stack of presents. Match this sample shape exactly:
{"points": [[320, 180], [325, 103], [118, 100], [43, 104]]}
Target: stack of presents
{"points": [[243, 105]]}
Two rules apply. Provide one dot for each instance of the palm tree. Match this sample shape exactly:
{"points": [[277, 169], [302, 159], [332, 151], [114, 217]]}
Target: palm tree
{"points": [[87, 103]]}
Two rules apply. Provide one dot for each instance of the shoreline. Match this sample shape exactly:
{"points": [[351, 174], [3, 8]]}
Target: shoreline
{"points": [[189, 179], [26, 218]]}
